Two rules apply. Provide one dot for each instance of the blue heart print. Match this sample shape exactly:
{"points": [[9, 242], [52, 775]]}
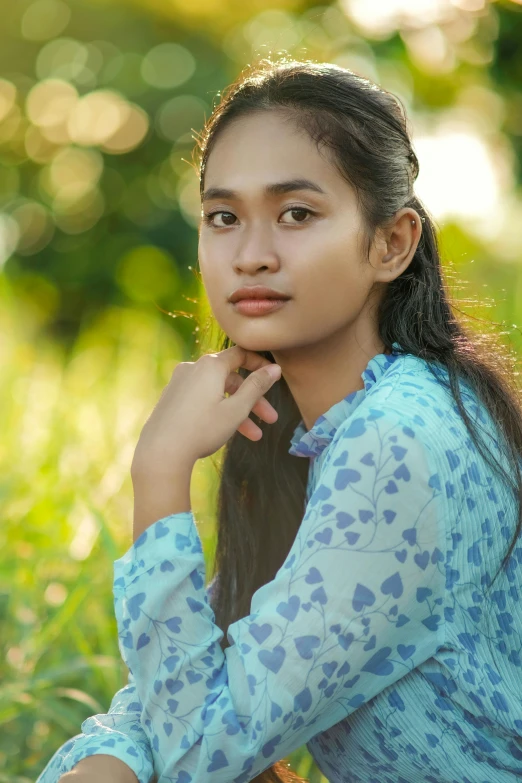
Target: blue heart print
{"points": [[306, 644], [393, 585], [288, 609], [362, 597], [410, 536], [313, 576], [260, 632], [272, 659], [374, 631]]}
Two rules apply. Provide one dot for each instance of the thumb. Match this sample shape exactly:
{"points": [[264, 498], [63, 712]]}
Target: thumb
{"points": [[274, 371], [261, 380], [255, 386]]}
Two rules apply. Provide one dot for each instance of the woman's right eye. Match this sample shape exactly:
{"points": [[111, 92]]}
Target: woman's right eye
{"points": [[209, 218]]}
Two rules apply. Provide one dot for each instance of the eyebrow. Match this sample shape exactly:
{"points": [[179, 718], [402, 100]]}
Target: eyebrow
{"points": [[273, 189]]}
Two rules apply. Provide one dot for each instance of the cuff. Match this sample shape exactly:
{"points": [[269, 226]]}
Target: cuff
{"points": [[122, 748], [163, 541]]}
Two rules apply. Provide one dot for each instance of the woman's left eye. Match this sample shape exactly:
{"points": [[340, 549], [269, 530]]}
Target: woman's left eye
{"points": [[300, 211]]}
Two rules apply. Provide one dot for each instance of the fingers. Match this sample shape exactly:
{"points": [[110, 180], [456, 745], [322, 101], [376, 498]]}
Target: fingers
{"points": [[262, 408], [236, 357], [250, 430]]}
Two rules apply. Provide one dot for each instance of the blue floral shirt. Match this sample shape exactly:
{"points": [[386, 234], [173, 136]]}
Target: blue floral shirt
{"points": [[377, 644]]}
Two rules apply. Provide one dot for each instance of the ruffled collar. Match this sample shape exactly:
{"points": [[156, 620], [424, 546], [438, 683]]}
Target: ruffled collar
{"points": [[310, 443]]}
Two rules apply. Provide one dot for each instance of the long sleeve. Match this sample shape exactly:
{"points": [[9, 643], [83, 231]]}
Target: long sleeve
{"points": [[118, 733], [355, 607]]}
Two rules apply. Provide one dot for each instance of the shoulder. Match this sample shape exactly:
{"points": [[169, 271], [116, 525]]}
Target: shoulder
{"points": [[417, 392], [410, 407], [396, 427], [412, 384]]}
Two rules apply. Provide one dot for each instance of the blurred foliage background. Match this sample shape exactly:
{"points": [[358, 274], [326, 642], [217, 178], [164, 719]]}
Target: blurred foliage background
{"points": [[100, 101]]}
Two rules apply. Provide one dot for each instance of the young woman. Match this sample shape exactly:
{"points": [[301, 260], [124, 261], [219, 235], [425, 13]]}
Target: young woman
{"points": [[367, 600]]}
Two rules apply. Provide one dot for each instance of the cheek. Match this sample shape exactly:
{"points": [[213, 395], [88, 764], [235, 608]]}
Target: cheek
{"points": [[330, 295], [330, 275]]}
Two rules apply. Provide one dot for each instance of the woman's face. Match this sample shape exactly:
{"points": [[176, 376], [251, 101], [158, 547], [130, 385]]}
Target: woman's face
{"points": [[306, 242]]}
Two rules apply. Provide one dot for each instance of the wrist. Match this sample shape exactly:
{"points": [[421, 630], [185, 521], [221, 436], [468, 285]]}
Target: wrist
{"points": [[157, 496], [103, 768], [148, 465]]}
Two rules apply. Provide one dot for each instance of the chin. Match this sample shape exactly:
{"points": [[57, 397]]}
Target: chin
{"points": [[251, 343], [255, 345]]}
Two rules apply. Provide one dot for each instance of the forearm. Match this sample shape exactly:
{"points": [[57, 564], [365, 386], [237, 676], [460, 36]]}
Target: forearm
{"points": [[102, 768]]}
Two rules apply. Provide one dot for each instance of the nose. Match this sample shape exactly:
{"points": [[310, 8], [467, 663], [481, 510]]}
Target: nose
{"points": [[255, 249]]}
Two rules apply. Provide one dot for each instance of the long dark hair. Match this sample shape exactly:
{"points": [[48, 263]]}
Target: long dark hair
{"points": [[261, 500]]}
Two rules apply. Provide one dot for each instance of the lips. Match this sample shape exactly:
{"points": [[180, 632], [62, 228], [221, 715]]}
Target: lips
{"points": [[261, 298], [258, 306], [257, 292]]}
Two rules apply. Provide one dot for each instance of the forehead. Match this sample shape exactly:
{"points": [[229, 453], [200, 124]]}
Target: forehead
{"points": [[268, 146]]}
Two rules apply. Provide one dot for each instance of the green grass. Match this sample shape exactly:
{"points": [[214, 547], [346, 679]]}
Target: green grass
{"points": [[70, 429]]}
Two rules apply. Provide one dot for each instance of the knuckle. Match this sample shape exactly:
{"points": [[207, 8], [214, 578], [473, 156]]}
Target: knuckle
{"points": [[258, 383]]}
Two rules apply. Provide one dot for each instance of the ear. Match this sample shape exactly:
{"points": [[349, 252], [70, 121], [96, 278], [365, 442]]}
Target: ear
{"points": [[401, 238]]}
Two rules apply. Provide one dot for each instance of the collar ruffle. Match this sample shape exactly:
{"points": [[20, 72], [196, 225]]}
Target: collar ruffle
{"points": [[310, 443]]}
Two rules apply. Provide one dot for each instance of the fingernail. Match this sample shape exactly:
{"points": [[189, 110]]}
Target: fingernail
{"points": [[274, 370]]}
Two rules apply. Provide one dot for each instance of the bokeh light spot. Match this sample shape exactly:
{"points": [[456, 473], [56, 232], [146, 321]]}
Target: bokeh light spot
{"points": [[35, 227], [45, 19], [146, 273], [168, 65], [62, 58], [461, 175], [130, 133], [429, 49], [189, 198], [74, 170], [75, 214], [55, 593], [50, 103], [7, 98], [9, 235], [96, 117], [38, 147], [273, 28], [179, 115], [383, 17], [469, 5]]}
